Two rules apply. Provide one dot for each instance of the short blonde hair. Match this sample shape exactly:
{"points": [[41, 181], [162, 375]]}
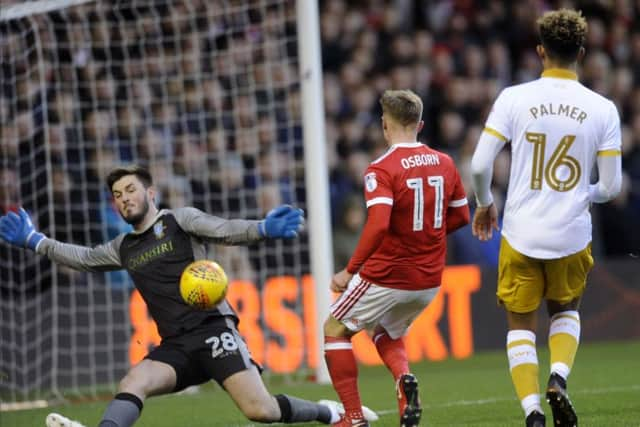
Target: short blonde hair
{"points": [[403, 106], [562, 33]]}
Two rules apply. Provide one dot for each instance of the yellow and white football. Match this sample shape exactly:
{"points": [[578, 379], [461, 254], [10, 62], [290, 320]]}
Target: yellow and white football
{"points": [[203, 284]]}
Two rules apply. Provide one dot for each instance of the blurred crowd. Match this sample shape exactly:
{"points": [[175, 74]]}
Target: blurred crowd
{"points": [[458, 55], [207, 95]]}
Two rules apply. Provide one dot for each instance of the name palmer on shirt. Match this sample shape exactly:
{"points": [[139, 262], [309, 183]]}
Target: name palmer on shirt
{"points": [[420, 160], [551, 109]]}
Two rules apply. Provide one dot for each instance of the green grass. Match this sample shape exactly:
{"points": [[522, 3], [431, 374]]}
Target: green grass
{"points": [[604, 386]]}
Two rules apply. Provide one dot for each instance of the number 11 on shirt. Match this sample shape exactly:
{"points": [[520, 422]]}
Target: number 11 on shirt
{"points": [[437, 182]]}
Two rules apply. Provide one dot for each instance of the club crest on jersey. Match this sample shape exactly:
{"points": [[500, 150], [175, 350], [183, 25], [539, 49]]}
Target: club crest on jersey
{"points": [[158, 229], [370, 182]]}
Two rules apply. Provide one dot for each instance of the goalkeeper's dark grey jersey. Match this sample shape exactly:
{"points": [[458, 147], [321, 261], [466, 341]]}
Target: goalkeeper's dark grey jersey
{"points": [[156, 257]]}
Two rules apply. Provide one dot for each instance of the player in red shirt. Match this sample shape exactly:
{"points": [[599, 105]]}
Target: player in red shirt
{"points": [[414, 199]]}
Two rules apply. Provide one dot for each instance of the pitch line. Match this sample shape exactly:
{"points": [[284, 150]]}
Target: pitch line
{"points": [[487, 401], [465, 402]]}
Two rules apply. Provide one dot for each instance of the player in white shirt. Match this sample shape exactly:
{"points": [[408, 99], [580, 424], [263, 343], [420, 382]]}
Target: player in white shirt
{"points": [[558, 130]]}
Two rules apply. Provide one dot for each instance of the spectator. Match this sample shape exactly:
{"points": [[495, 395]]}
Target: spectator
{"points": [[347, 232], [198, 80]]}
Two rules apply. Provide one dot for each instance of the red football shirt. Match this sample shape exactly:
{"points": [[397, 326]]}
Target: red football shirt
{"points": [[410, 191]]}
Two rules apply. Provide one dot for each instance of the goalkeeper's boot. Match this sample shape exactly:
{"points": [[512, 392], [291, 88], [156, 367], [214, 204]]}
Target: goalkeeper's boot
{"points": [[535, 419], [563, 413], [408, 400], [57, 420]]}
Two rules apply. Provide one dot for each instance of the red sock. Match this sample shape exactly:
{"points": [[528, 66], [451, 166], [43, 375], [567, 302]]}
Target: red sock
{"points": [[344, 374], [392, 353]]}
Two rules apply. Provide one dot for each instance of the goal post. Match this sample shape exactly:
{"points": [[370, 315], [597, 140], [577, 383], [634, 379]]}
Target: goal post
{"points": [[316, 168], [222, 101]]}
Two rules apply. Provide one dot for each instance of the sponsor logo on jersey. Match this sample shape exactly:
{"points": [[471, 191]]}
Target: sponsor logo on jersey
{"points": [[370, 182], [153, 253], [158, 229]]}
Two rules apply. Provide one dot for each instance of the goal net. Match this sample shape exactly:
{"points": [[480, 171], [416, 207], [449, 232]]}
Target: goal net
{"points": [[206, 94]]}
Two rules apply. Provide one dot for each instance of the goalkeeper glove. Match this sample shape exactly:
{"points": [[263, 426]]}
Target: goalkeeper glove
{"points": [[282, 222], [18, 230]]}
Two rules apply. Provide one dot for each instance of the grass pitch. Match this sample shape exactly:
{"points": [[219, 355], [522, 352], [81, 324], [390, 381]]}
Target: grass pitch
{"points": [[604, 387]]}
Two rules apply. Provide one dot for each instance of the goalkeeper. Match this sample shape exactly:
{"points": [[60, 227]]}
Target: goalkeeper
{"points": [[155, 253]]}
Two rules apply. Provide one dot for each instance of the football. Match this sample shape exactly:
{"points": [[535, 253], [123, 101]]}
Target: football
{"points": [[203, 284]]}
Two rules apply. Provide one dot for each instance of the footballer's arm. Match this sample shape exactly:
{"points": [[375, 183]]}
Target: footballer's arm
{"points": [[215, 229], [485, 218], [103, 257], [378, 217], [457, 216], [610, 177], [458, 207], [486, 151]]}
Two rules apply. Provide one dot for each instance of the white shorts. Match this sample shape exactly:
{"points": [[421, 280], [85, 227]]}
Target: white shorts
{"points": [[365, 305]]}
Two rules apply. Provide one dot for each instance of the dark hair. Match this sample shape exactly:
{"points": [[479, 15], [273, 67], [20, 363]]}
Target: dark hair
{"points": [[141, 173], [562, 33]]}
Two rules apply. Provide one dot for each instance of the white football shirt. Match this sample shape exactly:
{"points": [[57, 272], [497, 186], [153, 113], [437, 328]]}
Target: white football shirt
{"points": [[557, 127]]}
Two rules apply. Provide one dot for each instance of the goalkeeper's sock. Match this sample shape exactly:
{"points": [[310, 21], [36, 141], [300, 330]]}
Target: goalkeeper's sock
{"points": [[523, 364], [393, 354], [564, 337], [294, 410], [343, 370], [123, 411]]}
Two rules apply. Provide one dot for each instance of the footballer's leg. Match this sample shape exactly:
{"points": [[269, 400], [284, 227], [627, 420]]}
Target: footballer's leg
{"points": [[393, 325], [343, 370], [521, 285], [147, 378], [567, 279], [394, 355], [523, 361], [392, 352], [233, 368], [248, 391], [564, 336], [366, 305], [360, 306]]}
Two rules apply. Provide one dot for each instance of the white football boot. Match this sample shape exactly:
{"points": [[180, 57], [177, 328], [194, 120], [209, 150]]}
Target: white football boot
{"points": [[57, 420], [338, 408]]}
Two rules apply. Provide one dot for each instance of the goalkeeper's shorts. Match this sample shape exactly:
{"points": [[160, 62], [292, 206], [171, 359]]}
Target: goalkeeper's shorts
{"points": [[214, 350]]}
